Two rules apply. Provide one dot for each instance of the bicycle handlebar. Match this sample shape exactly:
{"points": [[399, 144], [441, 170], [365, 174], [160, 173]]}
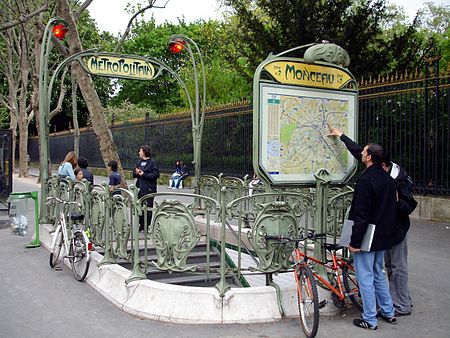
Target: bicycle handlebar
{"points": [[311, 235], [51, 199]]}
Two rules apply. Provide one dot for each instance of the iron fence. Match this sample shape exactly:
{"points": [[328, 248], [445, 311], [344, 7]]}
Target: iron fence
{"points": [[409, 114]]}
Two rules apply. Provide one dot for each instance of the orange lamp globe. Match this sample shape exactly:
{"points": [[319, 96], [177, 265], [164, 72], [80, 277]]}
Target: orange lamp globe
{"points": [[176, 46], [59, 31]]}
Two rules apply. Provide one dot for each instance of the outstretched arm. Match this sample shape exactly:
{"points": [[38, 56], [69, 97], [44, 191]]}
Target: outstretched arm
{"points": [[354, 148]]}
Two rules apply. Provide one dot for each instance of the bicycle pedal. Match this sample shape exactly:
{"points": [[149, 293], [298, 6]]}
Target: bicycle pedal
{"points": [[58, 268], [322, 304]]}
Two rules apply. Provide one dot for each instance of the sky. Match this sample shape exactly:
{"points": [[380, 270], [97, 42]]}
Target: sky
{"points": [[110, 14]]}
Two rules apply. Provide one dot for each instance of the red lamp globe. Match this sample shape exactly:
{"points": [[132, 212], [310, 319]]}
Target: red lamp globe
{"points": [[59, 31], [176, 46]]}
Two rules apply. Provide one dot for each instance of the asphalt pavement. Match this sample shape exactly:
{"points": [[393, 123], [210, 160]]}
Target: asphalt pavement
{"points": [[37, 301]]}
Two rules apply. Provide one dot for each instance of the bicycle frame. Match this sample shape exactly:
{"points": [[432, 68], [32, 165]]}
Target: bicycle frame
{"points": [[336, 266], [62, 225]]}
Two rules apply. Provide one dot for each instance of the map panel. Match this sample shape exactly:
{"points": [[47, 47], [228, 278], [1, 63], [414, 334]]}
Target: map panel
{"points": [[294, 125]]}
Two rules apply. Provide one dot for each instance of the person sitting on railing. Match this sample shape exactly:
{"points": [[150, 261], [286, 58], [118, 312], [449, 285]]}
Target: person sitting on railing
{"points": [[181, 171], [114, 178], [67, 166], [87, 174], [78, 174]]}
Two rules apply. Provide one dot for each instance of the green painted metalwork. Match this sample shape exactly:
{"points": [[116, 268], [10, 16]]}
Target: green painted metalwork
{"points": [[222, 286], [174, 234], [328, 52], [97, 215], [136, 209], [276, 218], [120, 227]]}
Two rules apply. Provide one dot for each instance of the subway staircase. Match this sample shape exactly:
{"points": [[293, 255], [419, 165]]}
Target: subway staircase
{"points": [[198, 278]]}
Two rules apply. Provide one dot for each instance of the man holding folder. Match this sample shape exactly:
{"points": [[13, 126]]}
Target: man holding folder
{"points": [[374, 202]]}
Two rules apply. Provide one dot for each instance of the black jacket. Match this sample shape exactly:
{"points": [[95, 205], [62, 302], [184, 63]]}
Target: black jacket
{"points": [[374, 201], [405, 204], [147, 183], [403, 183]]}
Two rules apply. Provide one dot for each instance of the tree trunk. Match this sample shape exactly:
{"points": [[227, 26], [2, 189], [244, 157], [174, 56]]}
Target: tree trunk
{"points": [[104, 136], [23, 146], [76, 140]]}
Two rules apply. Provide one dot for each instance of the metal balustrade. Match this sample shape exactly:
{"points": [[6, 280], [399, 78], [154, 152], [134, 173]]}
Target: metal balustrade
{"points": [[224, 215]]}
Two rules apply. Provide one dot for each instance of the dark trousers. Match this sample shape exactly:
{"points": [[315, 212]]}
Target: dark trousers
{"points": [[149, 203]]}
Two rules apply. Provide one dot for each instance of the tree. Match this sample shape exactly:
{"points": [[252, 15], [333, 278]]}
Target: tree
{"points": [[261, 26]]}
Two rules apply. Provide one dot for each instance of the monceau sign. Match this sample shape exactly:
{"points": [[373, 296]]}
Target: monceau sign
{"points": [[120, 66], [310, 75]]}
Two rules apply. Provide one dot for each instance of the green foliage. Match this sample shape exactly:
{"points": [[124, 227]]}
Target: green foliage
{"points": [[127, 111], [164, 94]]}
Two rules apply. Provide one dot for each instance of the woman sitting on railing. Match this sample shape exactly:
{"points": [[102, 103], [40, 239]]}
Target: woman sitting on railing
{"points": [[68, 165]]}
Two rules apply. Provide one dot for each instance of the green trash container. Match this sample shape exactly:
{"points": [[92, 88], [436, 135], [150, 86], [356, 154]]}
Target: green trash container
{"points": [[18, 211]]}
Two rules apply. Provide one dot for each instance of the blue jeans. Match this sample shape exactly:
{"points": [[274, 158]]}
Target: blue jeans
{"points": [[176, 181], [373, 285]]}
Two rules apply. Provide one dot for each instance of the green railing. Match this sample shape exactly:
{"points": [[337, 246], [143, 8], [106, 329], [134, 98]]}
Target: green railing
{"points": [[220, 215]]}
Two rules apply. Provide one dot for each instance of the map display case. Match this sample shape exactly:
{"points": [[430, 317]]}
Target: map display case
{"points": [[295, 103]]}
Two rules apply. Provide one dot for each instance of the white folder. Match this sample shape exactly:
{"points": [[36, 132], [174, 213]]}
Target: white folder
{"points": [[346, 235]]}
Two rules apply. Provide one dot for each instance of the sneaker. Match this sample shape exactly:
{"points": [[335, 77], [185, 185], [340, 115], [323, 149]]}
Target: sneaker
{"points": [[363, 324], [391, 320], [399, 314]]}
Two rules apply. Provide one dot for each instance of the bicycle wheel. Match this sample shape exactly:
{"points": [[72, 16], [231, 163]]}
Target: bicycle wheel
{"points": [[351, 286], [78, 256], [57, 250], [308, 301]]}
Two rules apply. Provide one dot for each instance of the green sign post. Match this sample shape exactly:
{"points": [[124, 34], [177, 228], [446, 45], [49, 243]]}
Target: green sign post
{"points": [[295, 100]]}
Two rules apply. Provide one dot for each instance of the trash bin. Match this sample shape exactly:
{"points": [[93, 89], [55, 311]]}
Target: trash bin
{"points": [[19, 214]]}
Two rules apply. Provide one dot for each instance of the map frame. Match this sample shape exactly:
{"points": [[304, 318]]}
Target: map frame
{"points": [[270, 89]]}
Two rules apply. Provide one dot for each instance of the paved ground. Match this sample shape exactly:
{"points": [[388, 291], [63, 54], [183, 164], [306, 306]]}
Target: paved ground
{"points": [[36, 301]]}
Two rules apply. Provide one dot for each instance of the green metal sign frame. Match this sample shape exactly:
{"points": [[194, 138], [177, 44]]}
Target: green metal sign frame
{"points": [[302, 79]]}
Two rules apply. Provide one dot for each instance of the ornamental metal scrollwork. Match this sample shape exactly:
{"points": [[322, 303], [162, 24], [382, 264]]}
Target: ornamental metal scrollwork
{"points": [[174, 235], [328, 52], [120, 226], [52, 191], [98, 217], [274, 219]]}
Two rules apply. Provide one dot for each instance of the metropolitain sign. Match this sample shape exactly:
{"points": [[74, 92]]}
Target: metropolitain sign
{"points": [[124, 67]]}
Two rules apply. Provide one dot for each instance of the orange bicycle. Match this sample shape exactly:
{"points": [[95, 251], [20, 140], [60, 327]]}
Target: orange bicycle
{"points": [[341, 280]]}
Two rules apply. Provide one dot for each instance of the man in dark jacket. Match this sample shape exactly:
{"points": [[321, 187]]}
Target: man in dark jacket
{"points": [[147, 174], [374, 202], [396, 261]]}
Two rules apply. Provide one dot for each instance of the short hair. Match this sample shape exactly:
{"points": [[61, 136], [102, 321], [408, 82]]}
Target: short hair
{"points": [[77, 170], [376, 152], [387, 158], [83, 162], [71, 157], [113, 165], [146, 149]]}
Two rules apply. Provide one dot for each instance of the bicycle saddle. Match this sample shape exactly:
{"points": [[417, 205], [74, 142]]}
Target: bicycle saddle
{"points": [[334, 247], [76, 217]]}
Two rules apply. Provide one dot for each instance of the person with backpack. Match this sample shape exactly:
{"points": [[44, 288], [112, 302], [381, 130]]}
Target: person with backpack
{"points": [[396, 259]]}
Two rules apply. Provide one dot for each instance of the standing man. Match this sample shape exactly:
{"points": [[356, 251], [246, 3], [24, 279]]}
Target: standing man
{"points": [[396, 259], [374, 202], [147, 174]]}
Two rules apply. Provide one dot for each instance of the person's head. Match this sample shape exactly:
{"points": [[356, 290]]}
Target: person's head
{"points": [[71, 157], [181, 163], [144, 152], [177, 163], [113, 165], [78, 174], [386, 163], [372, 154], [83, 162]]}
